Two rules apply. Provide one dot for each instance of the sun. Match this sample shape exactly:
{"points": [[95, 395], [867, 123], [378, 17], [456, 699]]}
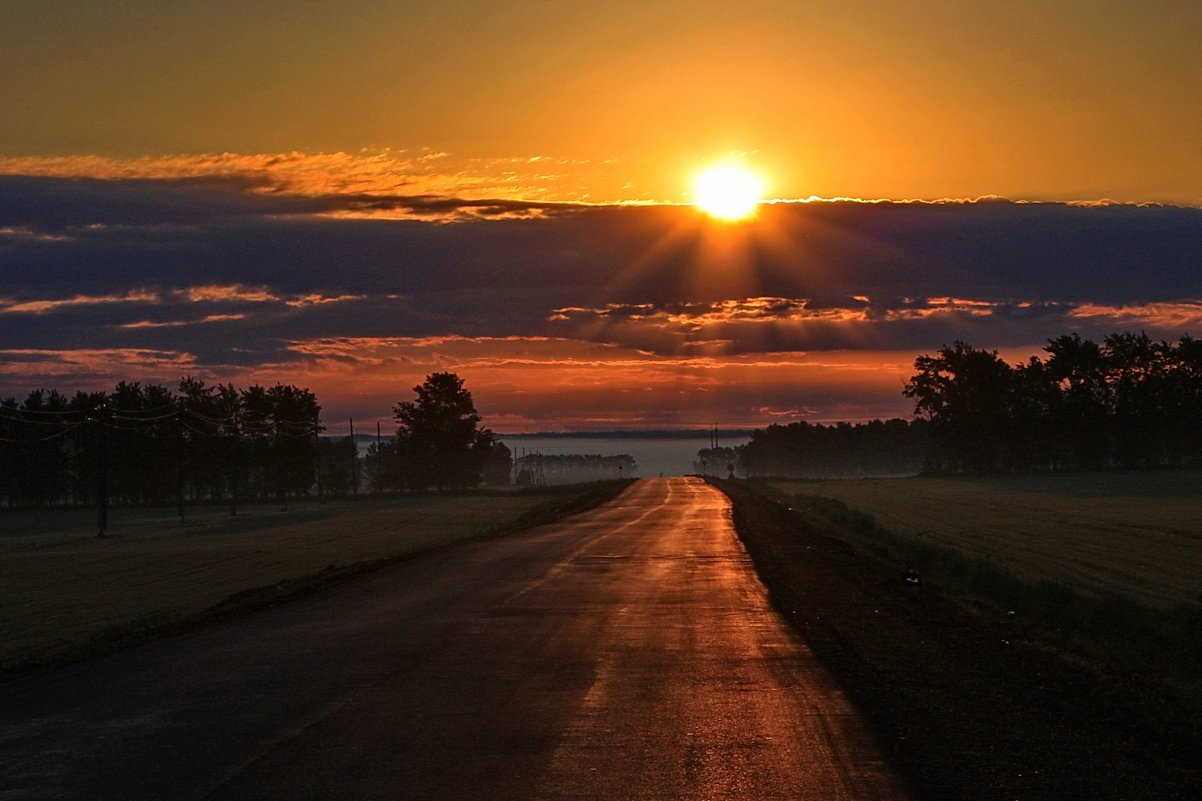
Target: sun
{"points": [[728, 192]]}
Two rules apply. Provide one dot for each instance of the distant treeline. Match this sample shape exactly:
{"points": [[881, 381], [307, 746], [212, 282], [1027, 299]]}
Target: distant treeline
{"points": [[805, 450], [653, 433], [145, 444], [572, 468], [389, 467], [1128, 402]]}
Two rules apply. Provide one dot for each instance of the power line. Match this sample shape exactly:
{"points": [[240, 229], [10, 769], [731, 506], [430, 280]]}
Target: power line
{"points": [[62, 433], [147, 419], [149, 410], [33, 422], [39, 411]]}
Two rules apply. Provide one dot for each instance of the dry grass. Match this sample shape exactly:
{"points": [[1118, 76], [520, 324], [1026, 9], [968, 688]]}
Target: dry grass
{"points": [[61, 588], [1133, 535]]}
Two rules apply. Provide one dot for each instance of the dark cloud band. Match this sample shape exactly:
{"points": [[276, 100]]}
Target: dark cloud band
{"points": [[222, 274]]}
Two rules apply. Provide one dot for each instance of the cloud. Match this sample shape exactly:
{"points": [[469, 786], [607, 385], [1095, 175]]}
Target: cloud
{"points": [[369, 182], [50, 208], [9, 306], [229, 275], [754, 325], [208, 318], [226, 293], [378, 172], [86, 365], [1183, 315]]}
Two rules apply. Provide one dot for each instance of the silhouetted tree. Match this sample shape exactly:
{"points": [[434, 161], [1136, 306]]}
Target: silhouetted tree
{"points": [[714, 461], [573, 468], [38, 457], [439, 441], [1080, 417], [889, 447], [141, 443], [1128, 402], [218, 441], [381, 466], [212, 456], [498, 465], [968, 396], [336, 466], [294, 419]]}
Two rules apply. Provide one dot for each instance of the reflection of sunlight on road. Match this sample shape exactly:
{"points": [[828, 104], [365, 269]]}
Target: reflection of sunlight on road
{"points": [[696, 688]]}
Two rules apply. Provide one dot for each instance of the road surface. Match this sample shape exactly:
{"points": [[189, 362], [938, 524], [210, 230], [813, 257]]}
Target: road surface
{"points": [[625, 653]]}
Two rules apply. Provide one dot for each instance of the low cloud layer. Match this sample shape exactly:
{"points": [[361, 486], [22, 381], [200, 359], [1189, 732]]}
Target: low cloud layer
{"points": [[653, 312]]}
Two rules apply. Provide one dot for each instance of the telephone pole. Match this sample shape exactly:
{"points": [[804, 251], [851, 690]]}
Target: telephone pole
{"points": [[354, 460], [179, 456], [102, 471], [379, 461], [237, 457], [317, 461]]}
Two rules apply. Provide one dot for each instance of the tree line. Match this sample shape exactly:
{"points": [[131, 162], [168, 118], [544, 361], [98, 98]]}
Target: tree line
{"points": [[811, 450], [572, 468], [1127, 402], [145, 444]]}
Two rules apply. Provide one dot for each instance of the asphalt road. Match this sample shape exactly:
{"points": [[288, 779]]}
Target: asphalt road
{"points": [[625, 653]]}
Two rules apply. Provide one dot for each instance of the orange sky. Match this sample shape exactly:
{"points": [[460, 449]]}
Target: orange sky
{"points": [[261, 191], [1077, 99]]}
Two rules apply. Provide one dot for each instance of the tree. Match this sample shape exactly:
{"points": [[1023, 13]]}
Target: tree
{"points": [[808, 450], [1128, 402], [439, 441], [969, 397], [1081, 415], [498, 465]]}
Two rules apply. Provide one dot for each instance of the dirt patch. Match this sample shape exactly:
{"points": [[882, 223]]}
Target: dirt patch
{"points": [[969, 706]]}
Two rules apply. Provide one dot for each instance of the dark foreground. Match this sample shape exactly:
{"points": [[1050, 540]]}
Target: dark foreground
{"points": [[962, 704], [626, 653]]}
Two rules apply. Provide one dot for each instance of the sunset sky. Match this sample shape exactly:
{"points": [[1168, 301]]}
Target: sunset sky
{"points": [[349, 196]]}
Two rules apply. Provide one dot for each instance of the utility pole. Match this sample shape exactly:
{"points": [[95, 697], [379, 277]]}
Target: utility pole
{"points": [[279, 472], [317, 461], [718, 461], [379, 461], [237, 457], [102, 471], [179, 456], [354, 460]]}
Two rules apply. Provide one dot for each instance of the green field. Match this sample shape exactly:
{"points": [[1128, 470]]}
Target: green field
{"points": [[1137, 535], [63, 591]]}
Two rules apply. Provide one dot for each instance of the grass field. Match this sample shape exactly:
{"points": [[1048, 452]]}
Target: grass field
{"points": [[976, 700], [63, 591], [1106, 567], [1137, 535]]}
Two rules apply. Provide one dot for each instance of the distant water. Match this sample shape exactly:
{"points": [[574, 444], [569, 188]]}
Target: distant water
{"points": [[670, 456]]}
